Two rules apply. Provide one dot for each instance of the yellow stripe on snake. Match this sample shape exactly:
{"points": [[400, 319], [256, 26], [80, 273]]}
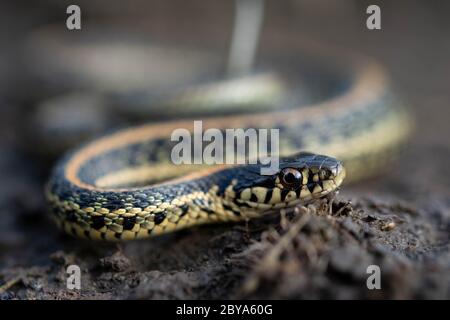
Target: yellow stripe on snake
{"points": [[123, 186]]}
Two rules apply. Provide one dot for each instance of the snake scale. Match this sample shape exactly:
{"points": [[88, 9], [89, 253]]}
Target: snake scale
{"points": [[122, 186]]}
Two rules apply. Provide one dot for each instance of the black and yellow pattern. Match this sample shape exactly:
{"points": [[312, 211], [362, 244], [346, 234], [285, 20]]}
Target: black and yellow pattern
{"points": [[123, 186]]}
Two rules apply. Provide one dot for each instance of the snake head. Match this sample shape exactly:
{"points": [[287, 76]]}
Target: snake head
{"points": [[300, 179]]}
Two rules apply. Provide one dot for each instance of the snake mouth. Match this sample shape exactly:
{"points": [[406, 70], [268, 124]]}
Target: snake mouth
{"points": [[340, 174]]}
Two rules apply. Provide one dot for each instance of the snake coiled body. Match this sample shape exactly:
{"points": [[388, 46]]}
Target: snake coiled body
{"points": [[123, 186]]}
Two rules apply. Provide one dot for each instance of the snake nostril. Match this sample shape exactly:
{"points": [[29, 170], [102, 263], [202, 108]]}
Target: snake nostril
{"points": [[324, 174]]}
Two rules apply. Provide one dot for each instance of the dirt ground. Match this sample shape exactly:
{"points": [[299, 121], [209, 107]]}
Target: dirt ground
{"points": [[399, 221]]}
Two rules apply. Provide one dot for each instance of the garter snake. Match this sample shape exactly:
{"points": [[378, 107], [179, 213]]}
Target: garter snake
{"points": [[122, 186]]}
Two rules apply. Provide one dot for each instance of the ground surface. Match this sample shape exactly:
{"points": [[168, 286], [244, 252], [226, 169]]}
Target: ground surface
{"points": [[400, 221]]}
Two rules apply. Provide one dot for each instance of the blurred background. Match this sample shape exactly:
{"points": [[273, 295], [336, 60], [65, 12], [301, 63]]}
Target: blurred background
{"points": [[52, 79]]}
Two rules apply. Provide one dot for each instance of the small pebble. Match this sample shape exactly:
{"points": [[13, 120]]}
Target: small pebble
{"points": [[389, 226]]}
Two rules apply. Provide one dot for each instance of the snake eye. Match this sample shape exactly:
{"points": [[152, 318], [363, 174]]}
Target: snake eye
{"points": [[290, 178]]}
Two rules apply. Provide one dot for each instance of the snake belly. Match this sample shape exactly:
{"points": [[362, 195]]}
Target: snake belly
{"points": [[123, 186]]}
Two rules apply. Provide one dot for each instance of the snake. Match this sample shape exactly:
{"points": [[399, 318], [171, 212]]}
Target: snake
{"points": [[123, 185]]}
